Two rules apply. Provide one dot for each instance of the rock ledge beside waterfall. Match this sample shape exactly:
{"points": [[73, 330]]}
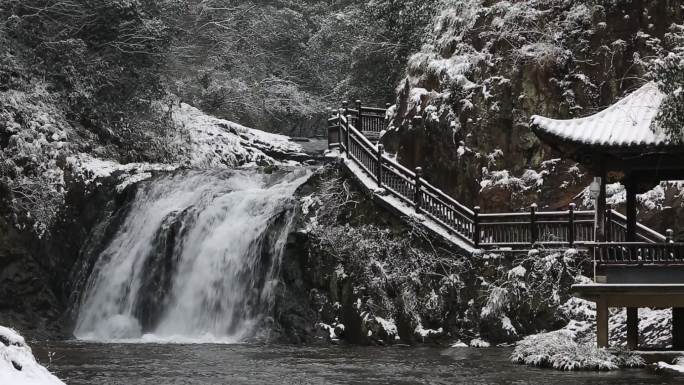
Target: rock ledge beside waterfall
{"points": [[18, 366]]}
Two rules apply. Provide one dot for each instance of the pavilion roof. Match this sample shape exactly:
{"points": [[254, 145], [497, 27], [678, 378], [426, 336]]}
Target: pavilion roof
{"points": [[625, 124]]}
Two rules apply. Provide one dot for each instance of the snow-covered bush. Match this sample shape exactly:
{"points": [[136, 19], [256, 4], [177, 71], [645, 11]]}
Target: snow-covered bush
{"points": [[17, 364], [525, 297], [558, 350]]}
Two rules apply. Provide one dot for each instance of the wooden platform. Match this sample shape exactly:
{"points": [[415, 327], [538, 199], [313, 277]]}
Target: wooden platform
{"points": [[633, 296]]}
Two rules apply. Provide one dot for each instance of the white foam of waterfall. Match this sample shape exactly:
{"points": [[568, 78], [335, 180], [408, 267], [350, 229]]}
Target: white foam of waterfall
{"points": [[224, 260]]}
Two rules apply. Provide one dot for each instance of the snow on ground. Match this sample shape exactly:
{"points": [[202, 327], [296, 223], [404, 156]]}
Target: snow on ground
{"points": [[17, 364], [217, 143]]}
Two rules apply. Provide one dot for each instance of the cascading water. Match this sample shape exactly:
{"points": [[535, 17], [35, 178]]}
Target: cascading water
{"points": [[196, 259]]}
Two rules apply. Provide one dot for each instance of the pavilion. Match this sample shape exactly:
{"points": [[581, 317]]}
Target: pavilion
{"points": [[624, 142]]}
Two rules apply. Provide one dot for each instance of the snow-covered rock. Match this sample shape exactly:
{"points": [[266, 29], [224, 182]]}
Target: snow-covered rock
{"points": [[676, 368], [216, 143], [17, 364], [479, 343], [89, 169]]}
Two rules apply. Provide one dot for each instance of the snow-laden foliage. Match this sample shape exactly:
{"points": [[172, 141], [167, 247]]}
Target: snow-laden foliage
{"points": [[670, 78], [277, 64], [101, 58], [559, 350], [488, 66], [532, 289], [17, 364]]}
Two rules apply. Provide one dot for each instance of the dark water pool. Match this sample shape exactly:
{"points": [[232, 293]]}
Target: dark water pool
{"points": [[158, 364]]}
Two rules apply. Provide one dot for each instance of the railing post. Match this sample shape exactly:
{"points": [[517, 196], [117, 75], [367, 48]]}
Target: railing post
{"points": [[534, 231], [416, 195], [417, 122], [571, 224], [378, 172], [669, 250], [345, 108], [476, 226], [359, 115], [329, 115], [346, 137]]}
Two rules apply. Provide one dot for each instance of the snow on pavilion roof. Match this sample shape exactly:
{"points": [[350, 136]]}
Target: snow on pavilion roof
{"points": [[627, 123]]}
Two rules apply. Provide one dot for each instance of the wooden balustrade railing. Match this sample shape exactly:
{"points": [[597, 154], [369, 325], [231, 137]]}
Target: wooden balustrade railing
{"points": [[616, 229], [348, 130], [638, 253]]}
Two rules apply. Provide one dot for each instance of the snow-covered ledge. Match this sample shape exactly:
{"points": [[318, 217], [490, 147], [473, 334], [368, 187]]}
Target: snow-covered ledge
{"points": [[17, 364]]}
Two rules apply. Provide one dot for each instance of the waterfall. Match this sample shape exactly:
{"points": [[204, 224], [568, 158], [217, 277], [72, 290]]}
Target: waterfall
{"points": [[195, 260]]}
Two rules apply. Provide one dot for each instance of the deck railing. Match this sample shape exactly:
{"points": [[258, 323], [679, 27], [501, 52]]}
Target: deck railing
{"points": [[639, 253], [567, 228]]}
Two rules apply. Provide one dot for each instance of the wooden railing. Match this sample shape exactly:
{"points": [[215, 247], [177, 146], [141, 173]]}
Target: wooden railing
{"points": [[639, 253], [616, 230], [568, 228]]}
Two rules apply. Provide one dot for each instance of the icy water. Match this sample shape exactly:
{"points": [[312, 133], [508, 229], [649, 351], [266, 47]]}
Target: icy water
{"points": [[161, 364]]}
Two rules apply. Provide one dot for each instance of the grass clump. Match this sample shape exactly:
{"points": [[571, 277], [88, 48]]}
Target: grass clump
{"points": [[558, 350]]}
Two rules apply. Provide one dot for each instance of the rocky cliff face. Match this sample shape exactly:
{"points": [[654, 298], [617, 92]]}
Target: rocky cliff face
{"points": [[491, 65], [354, 273]]}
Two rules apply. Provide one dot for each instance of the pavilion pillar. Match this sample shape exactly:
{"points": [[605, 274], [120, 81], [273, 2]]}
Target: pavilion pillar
{"points": [[600, 235], [632, 328], [631, 207], [678, 328], [602, 323]]}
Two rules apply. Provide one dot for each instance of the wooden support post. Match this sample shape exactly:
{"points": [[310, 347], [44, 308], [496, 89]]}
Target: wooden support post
{"points": [[609, 224], [678, 328], [359, 116], [345, 108], [534, 230], [476, 226], [378, 172], [416, 195], [571, 224], [632, 328], [600, 235], [669, 236], [602, 323], [631, 187], [346, 136]]}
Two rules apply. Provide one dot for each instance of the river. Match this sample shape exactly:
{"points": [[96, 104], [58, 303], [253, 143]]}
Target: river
{"points": [[242, 364]]}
